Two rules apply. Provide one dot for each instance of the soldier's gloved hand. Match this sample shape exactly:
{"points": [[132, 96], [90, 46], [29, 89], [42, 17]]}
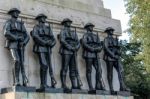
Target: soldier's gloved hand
{"points": [[22, 44], [98, 49], [69, 47], [20, 38], [73, 49], [92, 49], [76, 48], [49, 42]]}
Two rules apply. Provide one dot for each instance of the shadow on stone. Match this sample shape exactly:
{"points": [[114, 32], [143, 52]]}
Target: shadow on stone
{"points": [[50, 90], [99, 92], [18, 89]]}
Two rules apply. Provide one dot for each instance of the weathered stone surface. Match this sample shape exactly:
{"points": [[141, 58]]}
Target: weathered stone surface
{"points": [[8, 96], [101, 97], [50, 96], [79, 12], [23, 95], [94, 6], [20, 95], [36, 96], [111, 97], [123, 97], [88, 96], [76, 96]]}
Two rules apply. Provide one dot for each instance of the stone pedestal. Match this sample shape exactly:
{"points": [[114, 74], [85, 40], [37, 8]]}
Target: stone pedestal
{"points": [[23, 95], [18, 89]]}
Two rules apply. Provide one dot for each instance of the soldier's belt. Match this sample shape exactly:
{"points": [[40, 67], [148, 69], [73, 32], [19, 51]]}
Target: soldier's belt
{"points": [[72, 44], [19, 35], [15, 30], [93, 44], [45, 36], [74, 41]]}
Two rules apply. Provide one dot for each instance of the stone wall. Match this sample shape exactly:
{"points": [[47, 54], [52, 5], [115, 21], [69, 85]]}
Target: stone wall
{"points": [[80, 11]]}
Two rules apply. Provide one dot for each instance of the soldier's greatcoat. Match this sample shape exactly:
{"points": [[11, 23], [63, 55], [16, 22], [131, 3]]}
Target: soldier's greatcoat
{"points": [[12, 30], [68, 39], [92, 45], [109, 47], [41, 34]]}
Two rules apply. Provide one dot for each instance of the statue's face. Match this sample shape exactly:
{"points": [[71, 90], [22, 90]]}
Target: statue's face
{"points": [[42, 19], [90, 28], [67, 24], [111, 32], [15, 14]]}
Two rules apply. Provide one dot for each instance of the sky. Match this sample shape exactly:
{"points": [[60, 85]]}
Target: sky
{"points": [[118, 12]]}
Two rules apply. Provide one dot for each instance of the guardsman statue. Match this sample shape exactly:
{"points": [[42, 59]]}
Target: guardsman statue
{"points": [[69, 46], [112, 58], [16, 40], [44, 41], [91, 48]]}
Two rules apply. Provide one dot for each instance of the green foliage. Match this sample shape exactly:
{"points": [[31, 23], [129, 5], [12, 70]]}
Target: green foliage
{"points": [[139, 23], [136, 56], [137, 77]]}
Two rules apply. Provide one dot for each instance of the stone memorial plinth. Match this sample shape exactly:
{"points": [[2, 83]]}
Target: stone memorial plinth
{"points": [[23, 95]]}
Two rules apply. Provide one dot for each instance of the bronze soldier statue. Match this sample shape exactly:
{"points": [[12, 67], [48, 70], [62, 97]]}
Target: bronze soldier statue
{"points": [[92, 46], [44, 42], [112, 58], [68, 50], [16, 40]]}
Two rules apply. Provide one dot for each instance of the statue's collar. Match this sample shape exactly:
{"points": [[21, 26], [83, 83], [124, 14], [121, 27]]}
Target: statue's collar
{"points": [[13, 20], [89, 32], [41, 25], [67, 28]]}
